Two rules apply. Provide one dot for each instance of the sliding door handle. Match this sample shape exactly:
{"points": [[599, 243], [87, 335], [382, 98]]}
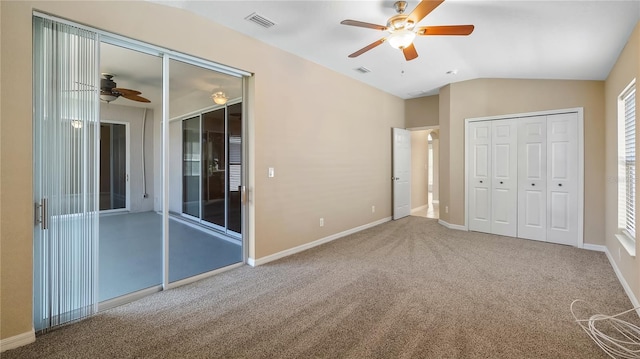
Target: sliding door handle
{"points": [[243, 194], [41, 215]]}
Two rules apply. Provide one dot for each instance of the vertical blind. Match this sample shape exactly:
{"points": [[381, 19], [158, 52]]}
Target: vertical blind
{"points": [[66, 139], [629, 101]]}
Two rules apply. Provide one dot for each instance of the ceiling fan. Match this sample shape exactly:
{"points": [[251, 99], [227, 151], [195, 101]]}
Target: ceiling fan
{"points": [[402, 28], [109, 92]]}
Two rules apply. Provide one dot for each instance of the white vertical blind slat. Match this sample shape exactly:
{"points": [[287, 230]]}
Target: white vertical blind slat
{"points": [[66, 123]]}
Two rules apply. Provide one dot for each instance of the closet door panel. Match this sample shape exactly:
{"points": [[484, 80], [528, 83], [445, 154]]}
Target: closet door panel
{"points": [[532, 178], [504, 181], [480, 176], [562, 179]]}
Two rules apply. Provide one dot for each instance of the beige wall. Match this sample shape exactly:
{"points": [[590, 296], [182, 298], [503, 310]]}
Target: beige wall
{"points": [[421, 111], [624, 71], [419, 168], [322, 168], [488, 97]]}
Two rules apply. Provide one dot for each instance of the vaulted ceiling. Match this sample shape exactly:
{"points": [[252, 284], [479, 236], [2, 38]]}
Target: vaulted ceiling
{"points": [[542, 39]]}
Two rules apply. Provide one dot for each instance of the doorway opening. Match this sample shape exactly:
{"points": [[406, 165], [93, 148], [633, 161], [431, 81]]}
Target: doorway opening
{"points": [[425, 172]]}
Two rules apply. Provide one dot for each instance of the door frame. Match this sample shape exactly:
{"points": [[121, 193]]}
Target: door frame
{"points": [[127, 127], [580, 184]]}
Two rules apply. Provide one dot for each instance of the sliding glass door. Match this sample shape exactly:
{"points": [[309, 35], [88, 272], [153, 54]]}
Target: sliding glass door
{"points": [[212, 168], [199, 166], [137, 169], [215, 167], [191, 145], [66, 135]]}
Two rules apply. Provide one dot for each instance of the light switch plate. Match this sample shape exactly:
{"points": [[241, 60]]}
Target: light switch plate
{"points": [[272, 172]]}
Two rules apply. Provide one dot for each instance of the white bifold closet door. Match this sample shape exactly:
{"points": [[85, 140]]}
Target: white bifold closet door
{"points": [[532, 178], [562, 179], [523, 177], [504, 181], [493, 177], [479, 134]]}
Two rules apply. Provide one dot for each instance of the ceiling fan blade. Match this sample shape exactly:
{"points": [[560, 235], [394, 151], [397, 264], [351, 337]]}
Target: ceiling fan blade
{"points": [[125, 92], [135, 98], [410, 52], [368, 47], [459, 30], [363, 24], [423, 9]]}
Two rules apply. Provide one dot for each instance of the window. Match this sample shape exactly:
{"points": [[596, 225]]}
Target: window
{"points": [[627, 162]]}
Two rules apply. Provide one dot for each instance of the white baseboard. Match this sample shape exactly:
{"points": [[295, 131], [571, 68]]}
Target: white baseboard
{"points": [[418, 209], [623, 282], [594, 247], [18, 340], [452, 226], [270, 258]]}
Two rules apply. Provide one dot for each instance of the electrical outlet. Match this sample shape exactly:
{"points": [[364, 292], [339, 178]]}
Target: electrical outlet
{"points": [[373, 209], [446, 209], [321, 222]]}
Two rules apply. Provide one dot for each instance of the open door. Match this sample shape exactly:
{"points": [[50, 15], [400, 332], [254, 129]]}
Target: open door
{"points": [[401, 173]]}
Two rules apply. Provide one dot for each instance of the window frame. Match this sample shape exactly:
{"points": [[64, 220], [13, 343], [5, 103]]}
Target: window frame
{"points": [[626, 231]]}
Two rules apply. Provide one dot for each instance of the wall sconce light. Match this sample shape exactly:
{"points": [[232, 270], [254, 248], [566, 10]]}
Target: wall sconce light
{"points": [[76, 123], [219, 97]]}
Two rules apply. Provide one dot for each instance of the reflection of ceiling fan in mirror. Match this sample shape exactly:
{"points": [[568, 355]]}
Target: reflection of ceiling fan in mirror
{"points": [[109, 92], [402, 28]]}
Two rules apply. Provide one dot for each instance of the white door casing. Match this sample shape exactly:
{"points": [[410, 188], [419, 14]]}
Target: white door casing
{"points": [[401, 173], [562, 182], [532, 178], [479, 177], [504, 182]]}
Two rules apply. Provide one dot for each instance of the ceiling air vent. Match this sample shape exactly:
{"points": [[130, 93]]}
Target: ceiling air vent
{"points": [[260, 20], [363, 70]]}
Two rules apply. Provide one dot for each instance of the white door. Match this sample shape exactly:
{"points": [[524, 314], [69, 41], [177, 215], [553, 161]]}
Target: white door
{"points": [[562, 179], [532, 178], [479, 135], [504, 181], [401, 173]]}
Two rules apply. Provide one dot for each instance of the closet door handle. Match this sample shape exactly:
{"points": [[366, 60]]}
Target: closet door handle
{"points": [[533, 184], [501, 182], [480, 181], [559, 184]]}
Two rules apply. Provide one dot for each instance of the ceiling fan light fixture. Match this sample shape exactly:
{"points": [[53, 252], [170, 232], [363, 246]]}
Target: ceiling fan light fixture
{"points": [[219, 97], [401, 39], [108, 97]]}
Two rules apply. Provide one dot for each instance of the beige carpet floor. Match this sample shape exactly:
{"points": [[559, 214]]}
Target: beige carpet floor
{"points": [[405, 289]]}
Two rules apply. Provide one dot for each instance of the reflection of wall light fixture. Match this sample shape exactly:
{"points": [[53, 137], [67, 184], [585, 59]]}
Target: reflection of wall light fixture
{"points": [[76, 123], [219, 97]]}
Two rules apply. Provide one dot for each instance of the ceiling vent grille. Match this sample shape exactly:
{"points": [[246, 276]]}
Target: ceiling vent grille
{"points": [[260, 20], [363, 70]]}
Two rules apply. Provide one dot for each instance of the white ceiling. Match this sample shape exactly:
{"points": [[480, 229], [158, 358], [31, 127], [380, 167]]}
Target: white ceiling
{"points": [[190, 87], [542, 39]]}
